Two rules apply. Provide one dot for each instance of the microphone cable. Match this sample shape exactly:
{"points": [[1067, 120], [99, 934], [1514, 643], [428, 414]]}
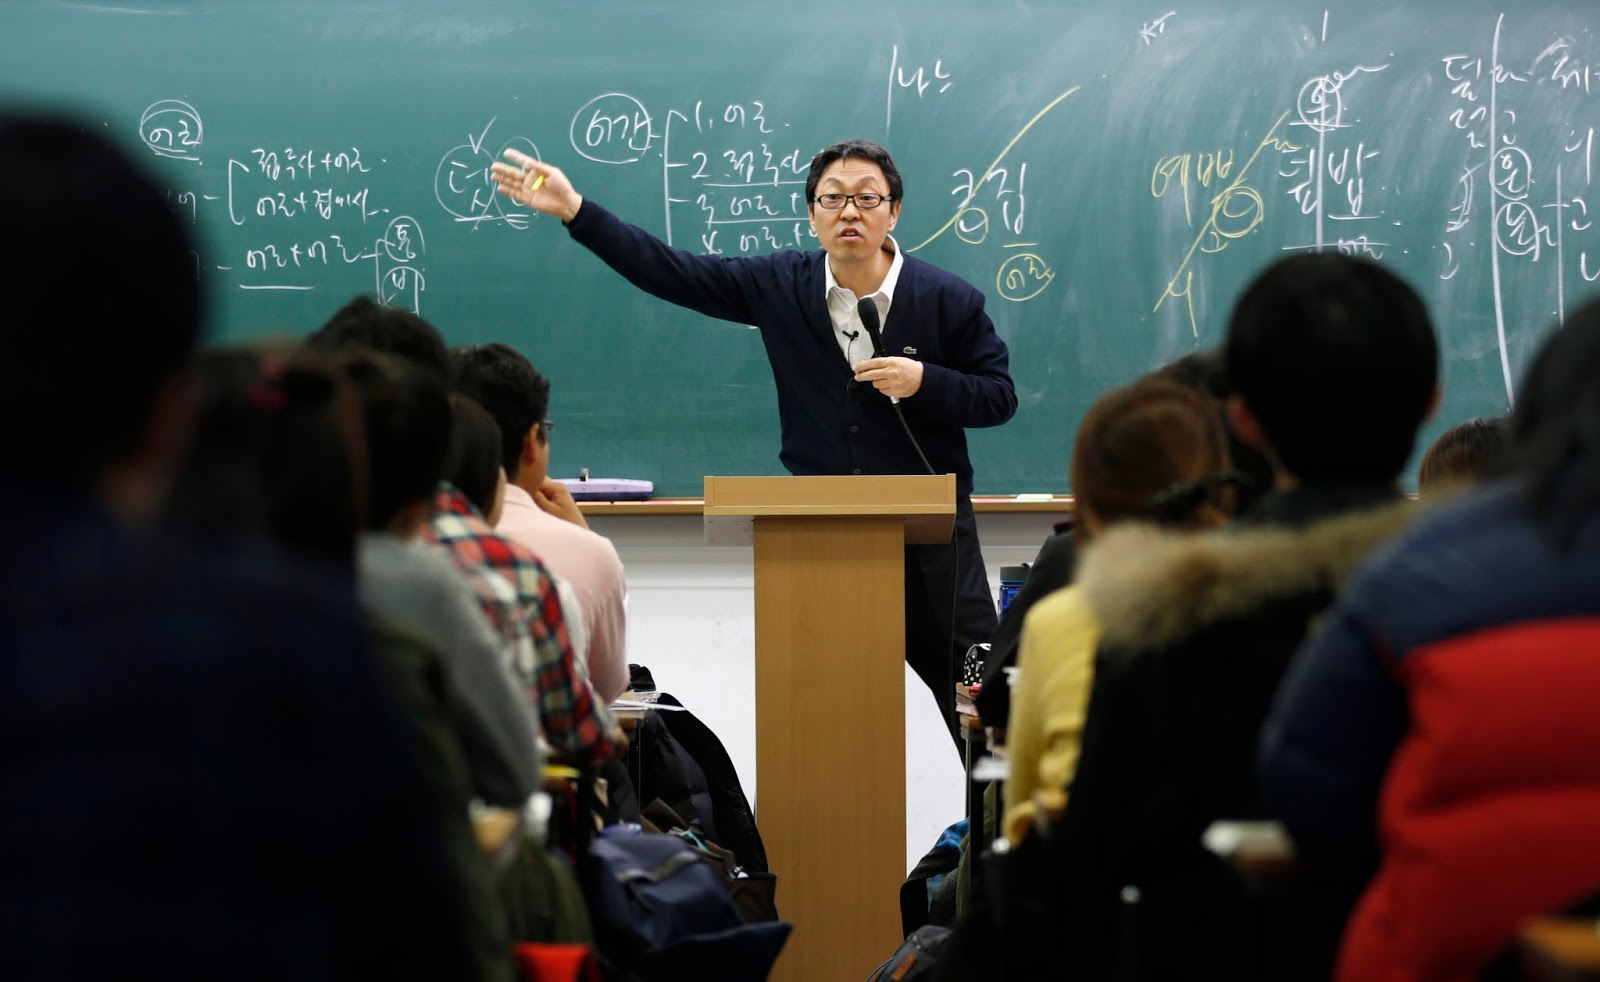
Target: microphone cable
{"points": [[868, 312]]}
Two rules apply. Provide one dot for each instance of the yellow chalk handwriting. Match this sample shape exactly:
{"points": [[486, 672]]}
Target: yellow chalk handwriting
{"points": [[1023, 276], [1206, 168], [990, 170], [1236, 211]]}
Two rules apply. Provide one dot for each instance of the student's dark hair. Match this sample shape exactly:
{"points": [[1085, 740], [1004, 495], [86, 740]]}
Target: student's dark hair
{"points": [[1153, 451], [103, 306], [365, 323], [1555, 427], [277, 452], [406, 410], [502, 380], [1466, 452], [1201, 370], [1204, 371], [1336, 357], [859, 149], [475, 453]]}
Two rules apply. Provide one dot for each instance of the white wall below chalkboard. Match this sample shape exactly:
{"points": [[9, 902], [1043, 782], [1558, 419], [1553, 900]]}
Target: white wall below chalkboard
{"points": [[691, 619]]}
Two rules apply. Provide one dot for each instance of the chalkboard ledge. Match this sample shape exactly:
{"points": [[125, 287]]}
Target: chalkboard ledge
{"points": [[985, 504]]}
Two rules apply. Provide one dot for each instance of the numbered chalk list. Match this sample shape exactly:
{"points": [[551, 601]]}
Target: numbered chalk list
{"points": [[1109, 176]]}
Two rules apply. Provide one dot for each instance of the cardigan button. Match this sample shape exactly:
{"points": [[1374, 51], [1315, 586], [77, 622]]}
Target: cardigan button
{"points": [[856, 471], [854, 428]]}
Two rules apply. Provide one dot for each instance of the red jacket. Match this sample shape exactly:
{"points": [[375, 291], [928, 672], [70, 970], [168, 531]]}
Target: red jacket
{"points": [[1451, 704], [1491, 809]]}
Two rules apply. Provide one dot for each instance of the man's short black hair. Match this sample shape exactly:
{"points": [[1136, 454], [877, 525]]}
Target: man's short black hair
{"points": [[1204, 371], [1336, 357], [502, 380], [103, 306], [406, 409], [365, 323], [475, 453], [863, 150]]}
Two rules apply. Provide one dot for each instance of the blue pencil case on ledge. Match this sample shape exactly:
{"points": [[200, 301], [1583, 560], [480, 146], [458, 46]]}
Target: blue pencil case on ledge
{"points": [[608, 489]]}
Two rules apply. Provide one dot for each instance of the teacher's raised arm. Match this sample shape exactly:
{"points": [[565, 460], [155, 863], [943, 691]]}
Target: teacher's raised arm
{"points": [[537, 185], [937, 353]]}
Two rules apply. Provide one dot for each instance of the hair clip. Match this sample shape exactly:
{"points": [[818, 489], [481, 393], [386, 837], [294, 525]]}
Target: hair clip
{"points": [[1179, 498]]}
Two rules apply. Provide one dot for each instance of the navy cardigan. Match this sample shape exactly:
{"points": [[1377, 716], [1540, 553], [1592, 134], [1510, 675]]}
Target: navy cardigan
{"points": [[830, 423]]}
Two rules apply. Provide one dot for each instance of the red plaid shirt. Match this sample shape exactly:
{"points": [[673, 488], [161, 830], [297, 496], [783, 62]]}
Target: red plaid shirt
{"points": [[575, 722]]}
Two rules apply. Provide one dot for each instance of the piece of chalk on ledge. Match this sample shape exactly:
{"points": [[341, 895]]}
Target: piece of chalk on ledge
{"points": [[1035, 497]]}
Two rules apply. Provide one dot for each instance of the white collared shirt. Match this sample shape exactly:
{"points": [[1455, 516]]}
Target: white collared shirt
{"points": [[842, 307]]}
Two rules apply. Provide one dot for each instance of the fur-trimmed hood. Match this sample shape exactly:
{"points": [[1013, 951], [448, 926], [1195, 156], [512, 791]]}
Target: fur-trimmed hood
{"points": [[1152, 587]]}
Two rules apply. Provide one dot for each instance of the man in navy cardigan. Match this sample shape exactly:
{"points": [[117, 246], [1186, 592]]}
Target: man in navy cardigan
{"points": [[943, 361]]}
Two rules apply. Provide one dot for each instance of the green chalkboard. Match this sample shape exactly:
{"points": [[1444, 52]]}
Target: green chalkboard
{"points": [[1109, 174]]}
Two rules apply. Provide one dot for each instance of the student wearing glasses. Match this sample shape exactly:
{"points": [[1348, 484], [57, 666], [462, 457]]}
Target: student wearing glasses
{"points": [[539, 513], [943, 360]]}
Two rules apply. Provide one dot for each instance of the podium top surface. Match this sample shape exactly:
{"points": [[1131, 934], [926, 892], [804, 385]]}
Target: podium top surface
{"points": [[926, 501]]}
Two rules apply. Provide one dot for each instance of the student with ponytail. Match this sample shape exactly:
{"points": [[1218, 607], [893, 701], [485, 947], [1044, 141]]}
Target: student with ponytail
{"points": [[1153, 452]]}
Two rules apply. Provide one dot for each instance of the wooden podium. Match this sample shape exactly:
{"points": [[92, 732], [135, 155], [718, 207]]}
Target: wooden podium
{"points": [[830, 698]]}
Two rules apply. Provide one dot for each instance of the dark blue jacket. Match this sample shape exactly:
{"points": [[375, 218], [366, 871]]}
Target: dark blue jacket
{"points": [[1448, 708], [1473, 566], [831, 424], [207, 772]]}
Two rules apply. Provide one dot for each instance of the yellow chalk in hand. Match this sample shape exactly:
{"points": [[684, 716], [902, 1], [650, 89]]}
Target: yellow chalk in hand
{"points": [[537, 184]]}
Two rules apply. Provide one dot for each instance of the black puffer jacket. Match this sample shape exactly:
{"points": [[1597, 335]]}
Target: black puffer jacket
{"points": [[1198, 633], [1198, 629], [682, 762]]}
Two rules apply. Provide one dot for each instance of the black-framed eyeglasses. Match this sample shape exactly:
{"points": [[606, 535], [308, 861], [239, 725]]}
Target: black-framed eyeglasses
{"points": [[545, 426], [866, 201]]}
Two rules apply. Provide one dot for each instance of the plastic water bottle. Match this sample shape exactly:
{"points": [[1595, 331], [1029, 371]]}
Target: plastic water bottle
{"points": [[1011, 579]]}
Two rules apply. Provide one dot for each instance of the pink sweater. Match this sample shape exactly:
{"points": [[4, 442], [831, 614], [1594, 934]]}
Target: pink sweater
{"points": [[589, 562]]}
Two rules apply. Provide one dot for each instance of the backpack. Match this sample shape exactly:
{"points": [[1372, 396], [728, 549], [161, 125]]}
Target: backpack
{"points": [[754, 894], [661, 912], [660, 768], [731, 814], [916, 958], [694, 776], [928, 895]]}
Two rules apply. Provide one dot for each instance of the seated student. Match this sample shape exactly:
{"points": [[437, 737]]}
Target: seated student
{"points": [[1051, 570], [270, 457], [275, 456], [407, 419], [576, 724], [540, 512], [365, 323], [1198, 629], [1207, 371], [517, 599], [1202, 371], [1464, 454], [1443, 717], [206, 768], [1153, 452]]}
